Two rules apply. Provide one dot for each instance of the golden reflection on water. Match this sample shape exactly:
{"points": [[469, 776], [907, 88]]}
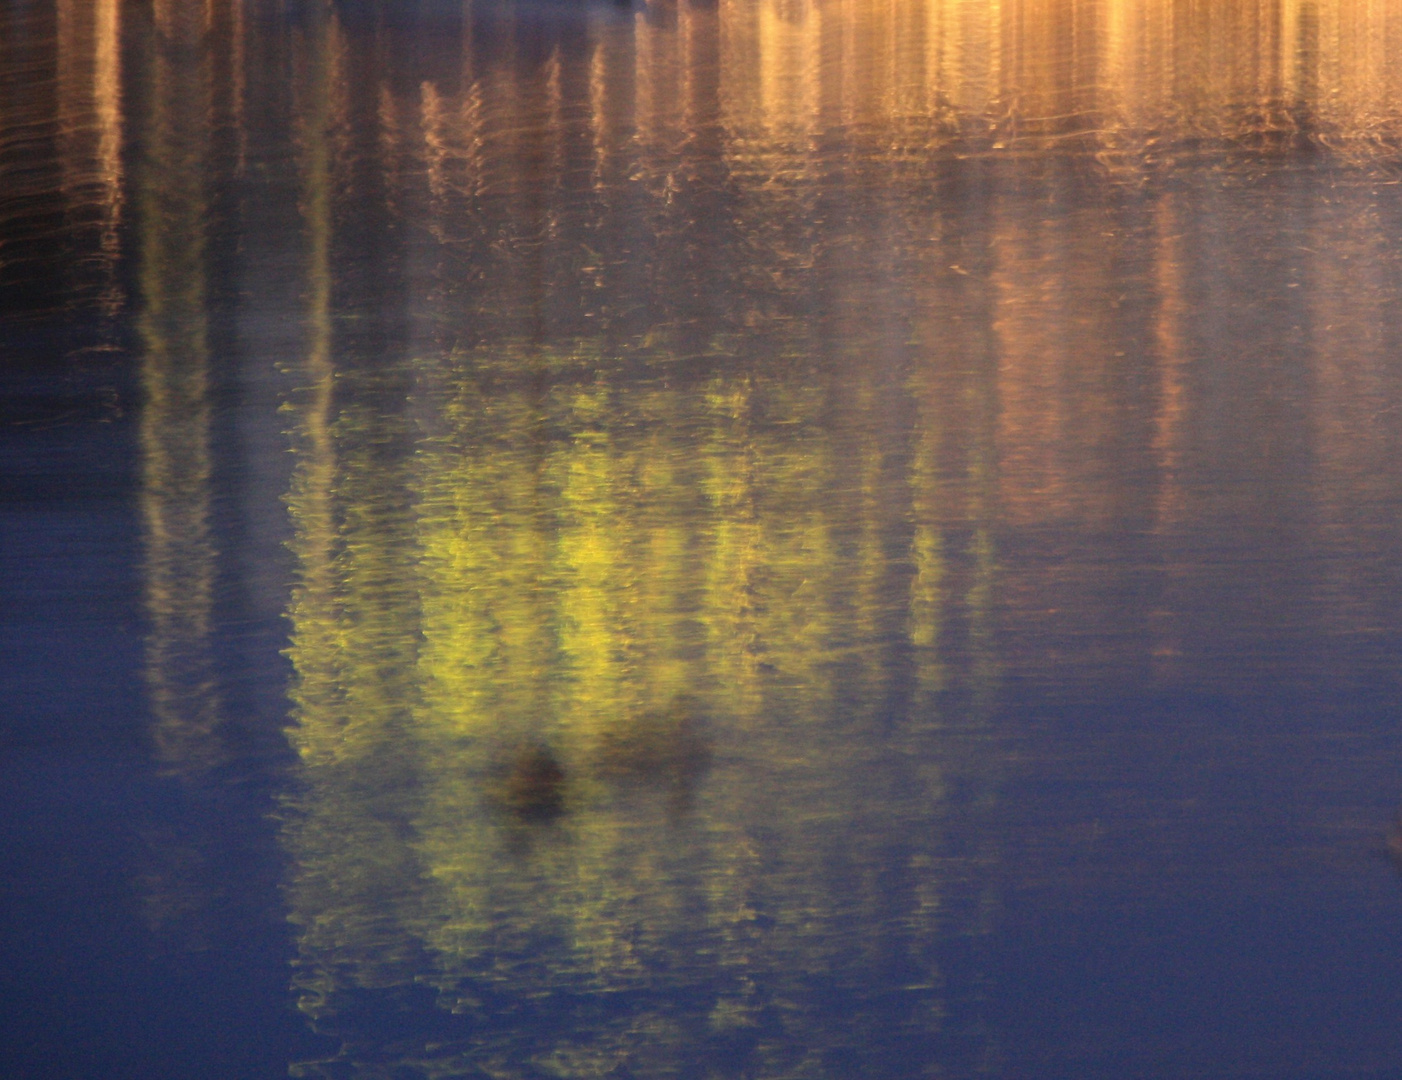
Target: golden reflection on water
{"points": [[61, 168], [651, 611], [718, 358], [90, 105], [1131, 75]]}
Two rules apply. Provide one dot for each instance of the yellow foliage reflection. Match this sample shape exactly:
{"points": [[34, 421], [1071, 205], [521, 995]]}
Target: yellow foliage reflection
{"points": [[608, 721]]}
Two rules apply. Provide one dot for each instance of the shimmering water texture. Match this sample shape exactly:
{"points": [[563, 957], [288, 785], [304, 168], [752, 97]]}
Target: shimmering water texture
{"points": [[758, 539]]}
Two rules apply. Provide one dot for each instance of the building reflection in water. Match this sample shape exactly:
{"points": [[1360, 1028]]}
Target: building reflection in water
{"points": [[90, 107], [61, 167], [705, 413]]}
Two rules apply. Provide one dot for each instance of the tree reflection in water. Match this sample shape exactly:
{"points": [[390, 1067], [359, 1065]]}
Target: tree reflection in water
{"points": [[718, 844]]}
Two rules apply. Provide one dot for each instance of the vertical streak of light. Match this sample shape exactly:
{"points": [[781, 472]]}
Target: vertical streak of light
{"points": [[1159, 47], [1294, 76], [391, 140], [731, 58], [470, 118], [1032, 428], [734, 545], [873, 675], [1269, 57], [934, 46], [599, 127], [239, 91], [849, 67], [686, 41], [90, 140], [1116, 90], [1169, 435], [180, 562], [810, 74], [704, 59], [311, 502], [774, 93], [927, 552], [645, 90], [475, 138], [888, 92], [432, 121], [990, 99], [107, 88], [556, 134], [1168, 337]]}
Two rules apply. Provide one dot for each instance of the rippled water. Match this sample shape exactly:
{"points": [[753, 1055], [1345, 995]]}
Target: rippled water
{"points": [[757, 539]]}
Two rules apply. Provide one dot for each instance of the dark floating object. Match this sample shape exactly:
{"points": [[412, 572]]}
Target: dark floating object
{"points": [[534, 785], [667, 751]]}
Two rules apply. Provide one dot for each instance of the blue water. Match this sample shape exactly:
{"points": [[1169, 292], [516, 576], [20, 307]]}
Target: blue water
{"points": [[749, 540]]}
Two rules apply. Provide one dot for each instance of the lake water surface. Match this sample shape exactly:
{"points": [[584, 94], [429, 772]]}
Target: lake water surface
{"points": [[767, 539]]}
